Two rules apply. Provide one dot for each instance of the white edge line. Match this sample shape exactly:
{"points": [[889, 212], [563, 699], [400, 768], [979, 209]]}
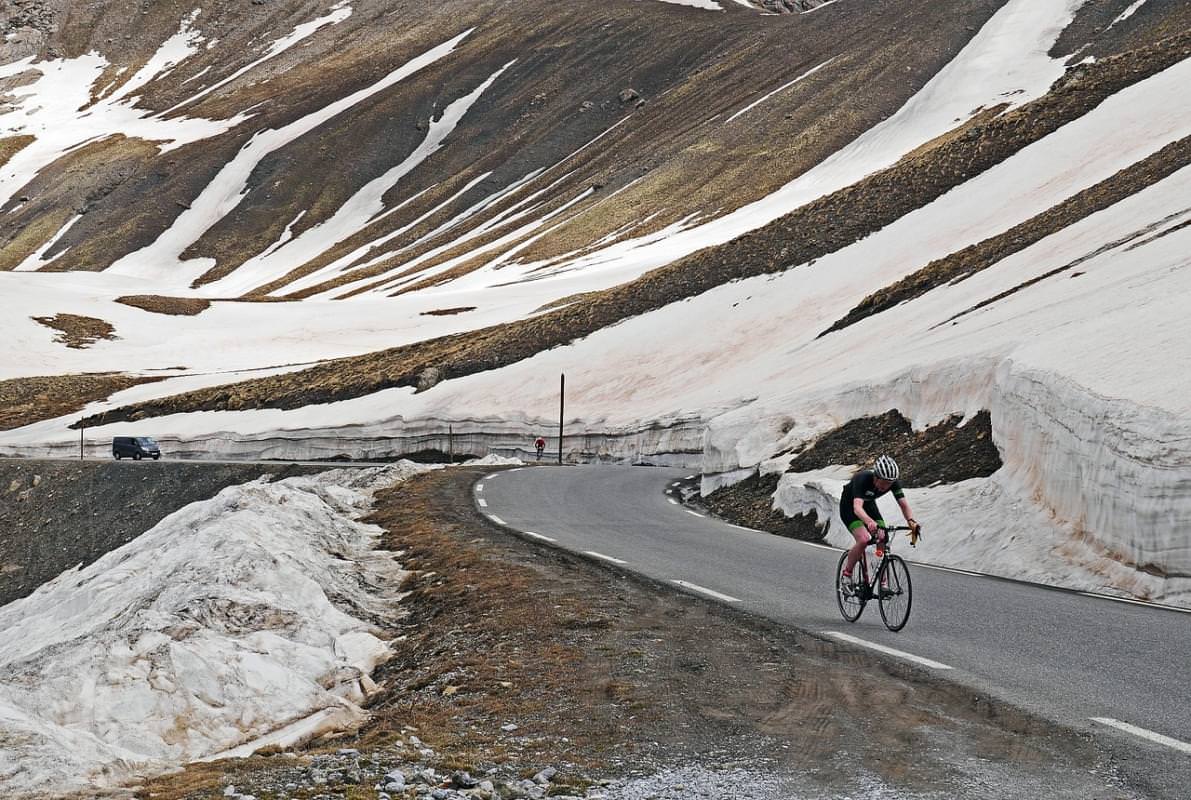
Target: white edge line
{"points": [[479, 487], [693, 513], [688, 477], [539, 536], [694, 587], [490, 477], [496, 519], [594, 554], [818, 545], [951, 569], [1157, 738], [926, 662], [1135, 602], [672, 501], [483, 503]]}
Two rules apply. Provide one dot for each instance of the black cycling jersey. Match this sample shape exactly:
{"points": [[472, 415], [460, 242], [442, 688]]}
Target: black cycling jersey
{"points": [[864, 486]]}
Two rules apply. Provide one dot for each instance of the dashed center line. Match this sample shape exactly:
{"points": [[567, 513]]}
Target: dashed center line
{"points": [[694, 587], [926, 662], [594, 554], [693, 513], [1157, 738], [540, 536], [479, 487]]}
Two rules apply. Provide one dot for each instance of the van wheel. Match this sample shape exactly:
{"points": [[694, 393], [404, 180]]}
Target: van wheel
{"points": [[117, 455], [136, 456], [156, 456]]}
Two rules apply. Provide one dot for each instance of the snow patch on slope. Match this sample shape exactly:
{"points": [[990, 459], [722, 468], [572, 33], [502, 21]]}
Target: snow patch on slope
{"points": [[201, 635], [162, 260]]}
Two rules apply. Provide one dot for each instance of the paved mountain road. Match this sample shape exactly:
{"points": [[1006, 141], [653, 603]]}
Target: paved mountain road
{"points": [[1114, 669]]}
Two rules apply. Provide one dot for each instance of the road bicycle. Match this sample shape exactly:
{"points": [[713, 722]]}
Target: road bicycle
{"points": [[889, 583]]}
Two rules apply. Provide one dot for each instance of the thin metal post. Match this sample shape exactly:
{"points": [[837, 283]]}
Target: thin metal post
{"points": [[450, 444], [562, 396], [80, 443]]}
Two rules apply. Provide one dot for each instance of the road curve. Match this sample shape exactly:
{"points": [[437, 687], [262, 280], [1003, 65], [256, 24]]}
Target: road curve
{"points": [[1115, 669]]}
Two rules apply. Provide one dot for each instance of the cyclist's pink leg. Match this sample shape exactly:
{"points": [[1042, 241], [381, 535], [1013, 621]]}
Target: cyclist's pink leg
{"points": [[862, 539]]}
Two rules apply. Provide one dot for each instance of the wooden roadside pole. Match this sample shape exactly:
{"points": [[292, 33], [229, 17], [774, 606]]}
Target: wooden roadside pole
{"points": [[562, 395]]}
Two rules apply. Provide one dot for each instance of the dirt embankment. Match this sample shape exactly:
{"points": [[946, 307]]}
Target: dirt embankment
{"points": [[55, 515], [605, 675]]}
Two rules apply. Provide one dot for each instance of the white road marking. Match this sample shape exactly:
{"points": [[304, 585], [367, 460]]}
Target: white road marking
{"points": [[926, 662], [693, 513], [694, 587], [742, 528], [540, 536], [1135, 602], [496, 519], [518, 469], [949, 569], [594, 554], [490, 477], [1144, 734], [672, 501], [483, 503], [821, 546], [669, 491], [479, 487], [688, 477]]}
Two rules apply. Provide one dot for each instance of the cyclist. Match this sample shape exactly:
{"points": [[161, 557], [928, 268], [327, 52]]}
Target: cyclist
{"points": [[539, 444], [858, 507]]}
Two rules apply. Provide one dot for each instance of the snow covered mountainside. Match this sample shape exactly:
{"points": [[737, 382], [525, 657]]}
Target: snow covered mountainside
{"points": [[311, 228]]}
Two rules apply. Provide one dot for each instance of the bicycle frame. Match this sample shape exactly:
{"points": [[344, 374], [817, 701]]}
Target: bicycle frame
{"points": [[888, 583]]}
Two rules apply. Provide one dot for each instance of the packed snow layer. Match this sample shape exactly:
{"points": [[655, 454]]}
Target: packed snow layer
{"points": [[203, 635]]}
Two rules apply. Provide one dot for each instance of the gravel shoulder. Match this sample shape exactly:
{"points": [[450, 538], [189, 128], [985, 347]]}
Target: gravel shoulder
{"points": [[514, 659]]}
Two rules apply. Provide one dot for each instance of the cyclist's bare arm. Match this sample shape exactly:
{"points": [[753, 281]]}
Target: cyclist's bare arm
{"points": [[906, 512], [858, 510]]}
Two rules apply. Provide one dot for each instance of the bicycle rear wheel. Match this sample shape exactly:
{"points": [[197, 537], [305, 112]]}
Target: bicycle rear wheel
{"points": [[894, 593], [851, 601]]}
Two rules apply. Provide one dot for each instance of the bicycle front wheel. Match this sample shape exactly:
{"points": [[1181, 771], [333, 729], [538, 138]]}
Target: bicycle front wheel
{"points": [[850, 599], [894, 592]]}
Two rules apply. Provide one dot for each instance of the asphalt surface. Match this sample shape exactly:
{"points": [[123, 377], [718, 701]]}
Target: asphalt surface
{"points": [[1115, 669]]}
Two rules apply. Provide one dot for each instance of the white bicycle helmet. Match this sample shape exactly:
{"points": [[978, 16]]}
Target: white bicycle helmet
{"points": [[886, 468]]}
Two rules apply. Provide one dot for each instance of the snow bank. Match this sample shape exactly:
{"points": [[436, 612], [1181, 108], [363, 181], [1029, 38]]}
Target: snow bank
{"points": [[201, 636]]}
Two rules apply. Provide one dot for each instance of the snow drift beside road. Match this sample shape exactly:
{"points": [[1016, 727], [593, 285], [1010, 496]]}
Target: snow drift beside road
{"points": [[200, 637]]}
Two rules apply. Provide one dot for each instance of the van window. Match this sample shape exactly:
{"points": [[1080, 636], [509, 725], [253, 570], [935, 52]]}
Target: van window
{"points": [[145, 440]]}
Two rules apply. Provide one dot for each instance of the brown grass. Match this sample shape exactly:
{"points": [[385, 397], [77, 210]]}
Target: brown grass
{"points": [[443, 312], [24, 401], [78, 331], [159, 304], [11, 145]]}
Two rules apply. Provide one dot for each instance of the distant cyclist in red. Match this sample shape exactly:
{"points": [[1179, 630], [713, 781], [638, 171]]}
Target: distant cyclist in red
{"points": [[539, 444], [858, 506]]}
